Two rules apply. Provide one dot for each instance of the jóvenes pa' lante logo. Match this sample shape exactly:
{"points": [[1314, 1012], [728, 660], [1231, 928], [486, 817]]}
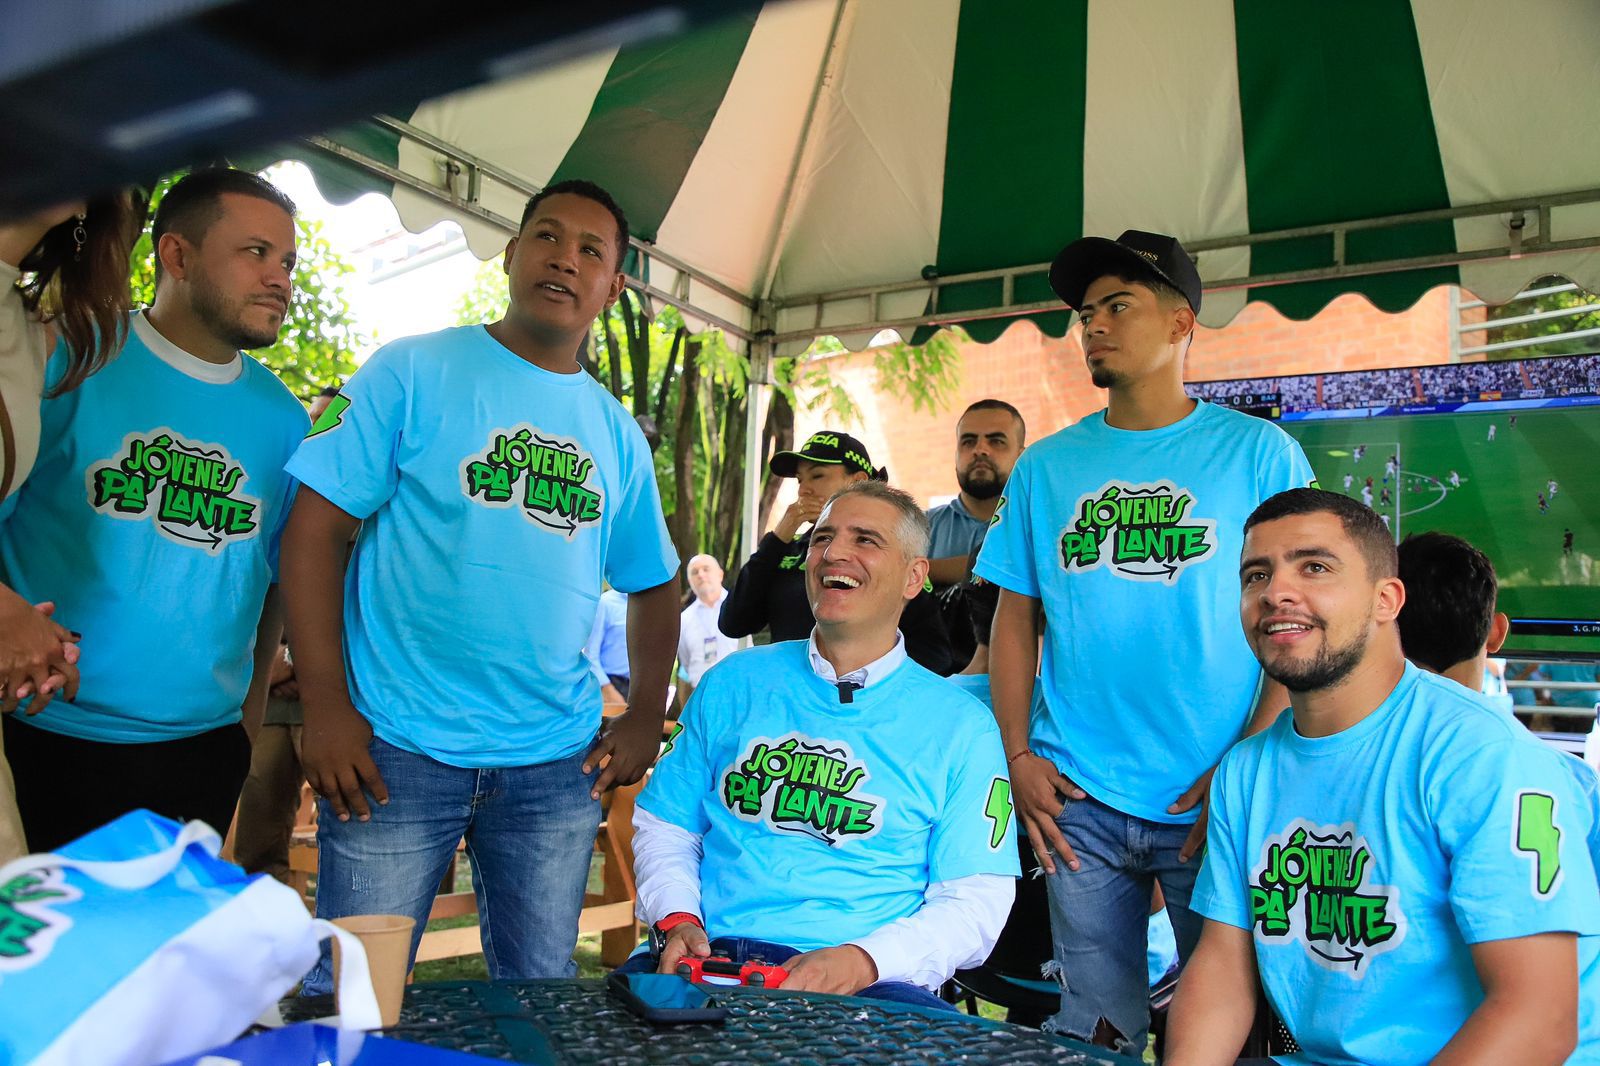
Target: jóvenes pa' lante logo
{"points": [[1140, 532], [1314, 884], [803, 785], [190, 489], [558, 493]]}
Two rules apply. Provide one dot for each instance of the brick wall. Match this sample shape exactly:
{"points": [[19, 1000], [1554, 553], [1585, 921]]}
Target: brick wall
{"points": [[1045, 378]]}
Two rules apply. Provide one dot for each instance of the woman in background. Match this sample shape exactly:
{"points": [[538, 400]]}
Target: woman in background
{"points": [[63, 281]]}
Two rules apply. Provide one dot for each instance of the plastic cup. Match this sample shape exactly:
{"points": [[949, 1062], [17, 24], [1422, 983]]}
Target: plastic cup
{"points": [[387, 938]]}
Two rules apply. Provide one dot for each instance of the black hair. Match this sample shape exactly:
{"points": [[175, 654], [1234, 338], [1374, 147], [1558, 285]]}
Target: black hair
{"points": [[1450, 597], [589, 191], [1000, 405], [1164, 290], [195, 202], [329, 390], [1361, 524]]}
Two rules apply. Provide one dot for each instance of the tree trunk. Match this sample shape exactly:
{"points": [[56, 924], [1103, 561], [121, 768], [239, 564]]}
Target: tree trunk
{"points": [[684, 526], [777, 436], [729, 513], [613, 355], [666, 376], [637, 327], [586, 355]]}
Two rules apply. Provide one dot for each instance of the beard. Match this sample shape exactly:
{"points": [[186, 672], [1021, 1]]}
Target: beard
{"points": [[225, 317], [981, 481], [1104, 377], [1326, 669]]}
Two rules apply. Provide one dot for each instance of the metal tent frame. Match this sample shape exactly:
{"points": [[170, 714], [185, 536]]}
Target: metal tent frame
{"points": [[463, 176]]}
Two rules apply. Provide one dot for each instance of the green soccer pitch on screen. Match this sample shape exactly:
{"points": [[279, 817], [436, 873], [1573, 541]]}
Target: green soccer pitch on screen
{"points": [[1506, 455]]}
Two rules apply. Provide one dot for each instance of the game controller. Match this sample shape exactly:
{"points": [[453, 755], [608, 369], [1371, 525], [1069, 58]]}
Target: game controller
{"points": [[754, 972]]}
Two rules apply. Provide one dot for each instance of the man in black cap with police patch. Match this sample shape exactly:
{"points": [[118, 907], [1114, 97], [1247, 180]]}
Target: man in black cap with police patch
{"points": [[770, 592], [1124, 531]]}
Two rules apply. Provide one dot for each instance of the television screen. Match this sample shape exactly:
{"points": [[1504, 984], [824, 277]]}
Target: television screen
{"points": [[1504, 454]]}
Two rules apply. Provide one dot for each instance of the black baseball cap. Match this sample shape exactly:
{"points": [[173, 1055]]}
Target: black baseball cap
{"points": [[1134, 254], [828, 446]]}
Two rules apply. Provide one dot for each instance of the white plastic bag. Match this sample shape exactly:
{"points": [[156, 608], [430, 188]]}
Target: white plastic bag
{"points": [[135, 944]]}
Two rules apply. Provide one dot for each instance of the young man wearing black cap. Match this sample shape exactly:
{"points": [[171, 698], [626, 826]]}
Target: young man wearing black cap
{"points": [[1123, 530], [770, 592]]}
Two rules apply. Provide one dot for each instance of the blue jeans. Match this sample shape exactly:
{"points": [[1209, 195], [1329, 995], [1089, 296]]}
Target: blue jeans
{"points": [[1099, 918], [739, 949], [530, 832]]}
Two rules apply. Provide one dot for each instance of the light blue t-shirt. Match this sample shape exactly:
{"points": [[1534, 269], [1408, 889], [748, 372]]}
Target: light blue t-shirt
{"points": [[1365, 864], [1131, 540], [823, 821], [954, 531], [494, 496], [152, 520], [607, 646]]}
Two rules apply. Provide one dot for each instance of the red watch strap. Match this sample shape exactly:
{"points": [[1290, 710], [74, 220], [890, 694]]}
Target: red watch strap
{"points": [[677, 918]]}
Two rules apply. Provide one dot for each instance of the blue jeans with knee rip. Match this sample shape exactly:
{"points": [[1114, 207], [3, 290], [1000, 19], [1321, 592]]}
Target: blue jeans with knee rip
{"points": [[1099, 918], [529, 830]]}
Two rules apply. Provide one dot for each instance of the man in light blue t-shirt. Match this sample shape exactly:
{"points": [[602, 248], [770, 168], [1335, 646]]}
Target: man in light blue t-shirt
{"points": [[1404, 869], [152, 521], [1120, 533], [496, 486], [828, 804], [990, 435]]}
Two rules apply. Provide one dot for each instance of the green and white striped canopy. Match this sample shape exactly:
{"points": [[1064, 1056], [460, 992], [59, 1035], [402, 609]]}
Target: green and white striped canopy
{"points": [[836, 166]]}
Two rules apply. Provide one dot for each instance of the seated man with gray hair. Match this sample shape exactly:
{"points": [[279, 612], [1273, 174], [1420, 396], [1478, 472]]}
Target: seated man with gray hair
{"points": [[827, 804]]}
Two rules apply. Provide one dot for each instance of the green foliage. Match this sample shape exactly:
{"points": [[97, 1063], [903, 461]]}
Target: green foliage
{"points": [[1545, 327], [319, 339], [926, 375], [487, 298]]}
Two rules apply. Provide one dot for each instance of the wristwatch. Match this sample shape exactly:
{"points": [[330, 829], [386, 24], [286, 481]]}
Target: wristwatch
{"points": [[659, 931]]}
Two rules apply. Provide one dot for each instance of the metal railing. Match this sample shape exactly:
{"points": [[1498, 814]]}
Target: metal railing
{"points": [[1460, 329]]}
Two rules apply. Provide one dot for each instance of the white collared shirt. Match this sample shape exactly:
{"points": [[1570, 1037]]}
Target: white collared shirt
{"points": [[876, 670], [701, 645]]}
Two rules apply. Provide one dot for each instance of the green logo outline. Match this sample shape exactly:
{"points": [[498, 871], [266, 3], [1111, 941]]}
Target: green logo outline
{"points": [[997, 808], [331, 418], [1142, 532], [800, 784], [30, 922], [551, 480], [189, 489], [1536, 836]]}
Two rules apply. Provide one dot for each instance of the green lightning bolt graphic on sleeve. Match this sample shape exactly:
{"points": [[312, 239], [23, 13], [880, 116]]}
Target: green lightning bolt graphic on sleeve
{"points": [[998, 810], [1539, 836]]}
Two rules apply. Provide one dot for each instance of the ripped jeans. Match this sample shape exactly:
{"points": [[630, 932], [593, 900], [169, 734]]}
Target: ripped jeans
{"points": [[1099, 917]]}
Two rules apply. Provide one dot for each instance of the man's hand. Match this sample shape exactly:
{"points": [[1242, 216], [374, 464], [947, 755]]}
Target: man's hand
{"points": [[631, 739], [338, 763], [38, 657], [685, 938], [1037, 788], [842, 971], [1195, 793]]}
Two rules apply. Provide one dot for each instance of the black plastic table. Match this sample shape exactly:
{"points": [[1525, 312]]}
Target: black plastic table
{"points": [[578, 1022]]}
